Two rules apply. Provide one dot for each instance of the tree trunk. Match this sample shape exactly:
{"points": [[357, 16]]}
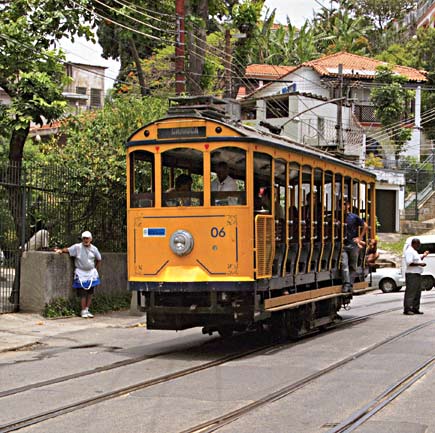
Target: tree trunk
{"points": [[143, 89], [15, 199]]}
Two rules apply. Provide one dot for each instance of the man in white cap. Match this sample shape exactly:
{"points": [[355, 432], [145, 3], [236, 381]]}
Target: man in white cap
{"points": [[87, 260]]}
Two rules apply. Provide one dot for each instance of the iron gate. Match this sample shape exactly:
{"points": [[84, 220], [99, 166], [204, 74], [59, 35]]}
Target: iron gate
{"points": [[12, 216], [43, 206]]}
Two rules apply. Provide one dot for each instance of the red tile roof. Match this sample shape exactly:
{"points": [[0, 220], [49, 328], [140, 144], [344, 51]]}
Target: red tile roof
{"points": [[271, 72], [355, 66]]}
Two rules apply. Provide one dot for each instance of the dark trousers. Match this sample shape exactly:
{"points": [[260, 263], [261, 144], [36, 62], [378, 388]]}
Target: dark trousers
{"points": [[411, 302]]}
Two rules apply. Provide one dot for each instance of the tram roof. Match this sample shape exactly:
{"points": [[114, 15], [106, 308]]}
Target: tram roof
{"points": [[259, 136]]}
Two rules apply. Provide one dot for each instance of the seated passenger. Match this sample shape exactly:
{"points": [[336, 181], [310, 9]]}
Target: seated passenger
{"points": [[372, 253], [223, 182], [183, 185]]}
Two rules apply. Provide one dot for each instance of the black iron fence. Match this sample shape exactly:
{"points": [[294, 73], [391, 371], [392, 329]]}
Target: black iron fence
{"points": [[43, 206]]}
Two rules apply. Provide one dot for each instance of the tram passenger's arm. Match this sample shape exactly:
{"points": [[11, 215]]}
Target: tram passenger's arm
{"points": [[360, 238]]}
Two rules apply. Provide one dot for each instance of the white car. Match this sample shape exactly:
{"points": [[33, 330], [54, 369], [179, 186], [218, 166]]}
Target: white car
{"points": [[427, 244], [2, 257], [387, 279]]}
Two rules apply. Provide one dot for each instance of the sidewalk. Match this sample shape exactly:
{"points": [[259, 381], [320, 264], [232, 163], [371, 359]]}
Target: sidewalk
{"points": [[21, 330]]}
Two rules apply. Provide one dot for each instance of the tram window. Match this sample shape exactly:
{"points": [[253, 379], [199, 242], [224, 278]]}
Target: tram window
{"points": [[294, 204], [262, 183], [339, 205], [228, 177], [308, 198], [182, 177], [280, 189], [142, 179], [327, 204]]}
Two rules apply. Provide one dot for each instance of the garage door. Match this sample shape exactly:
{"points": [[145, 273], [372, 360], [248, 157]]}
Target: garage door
{"points": [[386, 210]]}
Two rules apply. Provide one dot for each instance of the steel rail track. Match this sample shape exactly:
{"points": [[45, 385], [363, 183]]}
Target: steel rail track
{"points": [[127, 362], [35, 419], [221, 421], [386, 397]]}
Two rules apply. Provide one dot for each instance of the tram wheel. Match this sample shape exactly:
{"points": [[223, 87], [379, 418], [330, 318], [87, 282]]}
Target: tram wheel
{"points": [[225, 331]]}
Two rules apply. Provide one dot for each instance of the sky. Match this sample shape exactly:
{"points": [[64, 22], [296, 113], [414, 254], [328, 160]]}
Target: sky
{"points": [[83, 51], [297, 10]]}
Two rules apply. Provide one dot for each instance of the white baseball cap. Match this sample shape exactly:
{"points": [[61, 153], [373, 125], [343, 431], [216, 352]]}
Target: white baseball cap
{"points": [[86, 234]]}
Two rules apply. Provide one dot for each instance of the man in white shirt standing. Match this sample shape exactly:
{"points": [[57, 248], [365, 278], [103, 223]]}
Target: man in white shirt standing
{"points": [[223, 182], [414, 268]]}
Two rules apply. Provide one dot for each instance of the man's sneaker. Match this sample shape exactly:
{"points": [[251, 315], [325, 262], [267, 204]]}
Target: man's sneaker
{"points": [[84, 314], [89, 314]]}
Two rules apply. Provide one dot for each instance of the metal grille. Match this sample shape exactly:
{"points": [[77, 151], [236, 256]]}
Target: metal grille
{"points": [[365, 113], [265, 245], [46, 206]]}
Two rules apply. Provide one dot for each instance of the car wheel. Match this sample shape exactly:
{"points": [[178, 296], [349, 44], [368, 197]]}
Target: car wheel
{"points": [[427, 282], [388, 285]]}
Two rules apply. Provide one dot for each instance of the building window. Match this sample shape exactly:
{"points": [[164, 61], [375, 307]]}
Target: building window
{"points": [[277, 108], [81, 90], [95, 97]]}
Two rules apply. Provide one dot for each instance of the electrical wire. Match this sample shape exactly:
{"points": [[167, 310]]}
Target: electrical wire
{"points": [[147, 35], [137, 9], [119, 11], [64, 62]]}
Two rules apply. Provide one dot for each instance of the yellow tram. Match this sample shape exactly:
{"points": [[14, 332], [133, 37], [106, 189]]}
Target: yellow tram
{"points": [[229, 227]]}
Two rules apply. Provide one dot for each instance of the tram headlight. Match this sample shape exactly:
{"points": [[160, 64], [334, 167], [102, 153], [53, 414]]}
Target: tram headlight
{"points": [[181, 242]]}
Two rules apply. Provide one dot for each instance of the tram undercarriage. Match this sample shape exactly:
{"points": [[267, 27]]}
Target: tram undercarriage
{"points": [[288, 316]]}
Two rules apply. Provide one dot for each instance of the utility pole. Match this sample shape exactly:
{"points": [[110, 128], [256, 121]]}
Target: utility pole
{"points": [[180, 73], [227, 63], [339, 125], [416, 194]]}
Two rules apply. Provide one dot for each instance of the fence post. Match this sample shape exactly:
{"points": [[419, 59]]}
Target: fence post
{"points": [[416, 195]]}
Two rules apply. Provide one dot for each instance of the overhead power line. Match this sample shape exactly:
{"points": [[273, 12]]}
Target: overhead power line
{"points": [[121, 12]]}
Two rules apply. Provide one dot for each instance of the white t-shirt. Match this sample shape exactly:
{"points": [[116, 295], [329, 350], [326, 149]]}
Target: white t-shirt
{"points": [[84, 260], [412, 256], [228, 184]]}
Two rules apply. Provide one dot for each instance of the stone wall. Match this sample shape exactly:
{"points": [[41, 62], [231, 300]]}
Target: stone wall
{"points": [[427, 210], [409, 227], [47, 275]]}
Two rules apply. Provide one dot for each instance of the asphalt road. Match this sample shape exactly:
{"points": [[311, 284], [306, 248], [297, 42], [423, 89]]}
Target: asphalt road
{"points": [[69, 346]]}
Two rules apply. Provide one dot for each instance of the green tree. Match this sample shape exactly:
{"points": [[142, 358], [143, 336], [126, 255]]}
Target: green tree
{"points": [[31, 73], [423, 49], [95, 141], [292, 46], [390, 100], [341, 29], [398, 54], [382, 12], [385, 18], [130, 32]]}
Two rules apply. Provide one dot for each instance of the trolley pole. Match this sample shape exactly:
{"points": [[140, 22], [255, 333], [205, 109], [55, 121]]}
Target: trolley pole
{"points": [[180, 73]]}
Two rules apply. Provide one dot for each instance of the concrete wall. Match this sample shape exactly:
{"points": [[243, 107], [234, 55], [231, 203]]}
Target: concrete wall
{"points": [[47, 275]]}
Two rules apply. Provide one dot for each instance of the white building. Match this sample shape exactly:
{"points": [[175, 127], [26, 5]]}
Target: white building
{"points": [[326, 103]]}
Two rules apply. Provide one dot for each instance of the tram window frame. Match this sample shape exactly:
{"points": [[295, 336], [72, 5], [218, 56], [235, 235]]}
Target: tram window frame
{"points": [[307, 198], [262, 183], [328, 218], [186, 161], [294, 202], [235, 159], [142, 195]]}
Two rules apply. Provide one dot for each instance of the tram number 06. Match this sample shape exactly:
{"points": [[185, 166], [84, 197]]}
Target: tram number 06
{"points": [[216, 232]]}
